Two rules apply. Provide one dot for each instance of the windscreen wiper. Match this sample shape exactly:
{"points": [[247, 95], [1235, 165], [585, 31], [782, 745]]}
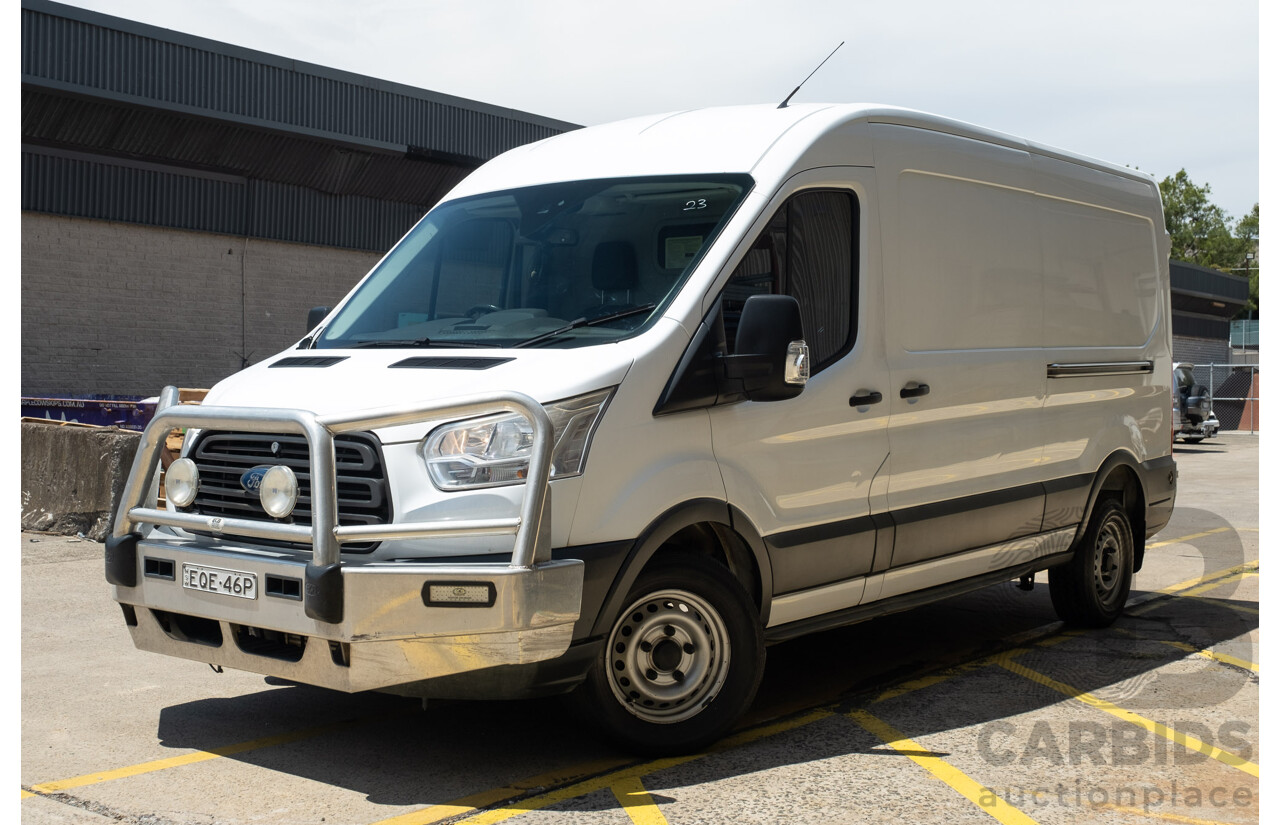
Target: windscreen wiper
{"points": [[390, 342], [409, 343], [584, 322]]}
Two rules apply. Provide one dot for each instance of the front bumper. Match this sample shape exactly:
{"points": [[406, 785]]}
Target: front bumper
{"points": [[388, 636], [324, 620]]}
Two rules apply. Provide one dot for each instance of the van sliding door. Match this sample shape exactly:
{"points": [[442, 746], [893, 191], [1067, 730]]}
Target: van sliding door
{"points": [[964, 296]]}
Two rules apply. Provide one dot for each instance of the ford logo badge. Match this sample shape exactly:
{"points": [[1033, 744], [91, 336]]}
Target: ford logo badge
{"points": [[251, 481]]}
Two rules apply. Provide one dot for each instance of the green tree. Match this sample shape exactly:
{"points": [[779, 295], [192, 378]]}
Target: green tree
{"points": [[1202, 232], [1247, 237], [1198, 227]]}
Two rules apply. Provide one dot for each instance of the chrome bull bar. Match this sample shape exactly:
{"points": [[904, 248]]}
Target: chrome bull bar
{"points": [[323, 587]]}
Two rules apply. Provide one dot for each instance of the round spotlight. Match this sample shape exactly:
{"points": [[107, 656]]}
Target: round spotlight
{"points": [[181, 481], [279, 491]]}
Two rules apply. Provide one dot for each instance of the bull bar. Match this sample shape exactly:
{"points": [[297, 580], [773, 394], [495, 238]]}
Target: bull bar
{"points": [[372, 622]]}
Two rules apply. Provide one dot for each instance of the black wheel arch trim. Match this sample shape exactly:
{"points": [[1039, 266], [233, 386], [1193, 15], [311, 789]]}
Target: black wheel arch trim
{"points": [[1146, 473], [671, 522]]}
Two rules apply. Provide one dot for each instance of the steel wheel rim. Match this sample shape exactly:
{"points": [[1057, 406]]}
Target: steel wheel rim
{"points": [[668, 656], [1107, 570]]}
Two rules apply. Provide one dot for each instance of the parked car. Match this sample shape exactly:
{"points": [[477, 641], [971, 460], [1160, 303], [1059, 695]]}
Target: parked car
{"points": [[1195, 420]]}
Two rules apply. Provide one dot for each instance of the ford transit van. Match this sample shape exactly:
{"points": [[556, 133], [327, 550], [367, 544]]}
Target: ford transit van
{"points": [[635, 401]]}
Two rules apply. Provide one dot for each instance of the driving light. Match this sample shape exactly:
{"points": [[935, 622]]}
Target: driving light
{"points": [[181, 481], [495, 450], [278, 491]]}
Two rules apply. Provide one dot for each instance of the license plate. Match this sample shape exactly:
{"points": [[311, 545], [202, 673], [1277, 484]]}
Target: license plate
{"points": [[218, 580]]}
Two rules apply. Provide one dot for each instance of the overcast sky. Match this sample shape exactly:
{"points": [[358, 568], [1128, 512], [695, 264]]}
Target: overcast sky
{"points": [[1158, 85]]}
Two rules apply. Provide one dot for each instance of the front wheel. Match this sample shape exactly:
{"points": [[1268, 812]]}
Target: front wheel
{"points": [[1091, 589], [681, 663]]}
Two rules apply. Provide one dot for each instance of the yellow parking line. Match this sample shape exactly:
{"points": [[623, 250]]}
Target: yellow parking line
{"points": [[537, 803], [1195, 587], [1215, 578], [1217, 657], [1190, 742], [26, 793], [492, 796], [1222, 658], [1181, 539], [1227, 603], [199, 756], [636, 801], [957, 779]]}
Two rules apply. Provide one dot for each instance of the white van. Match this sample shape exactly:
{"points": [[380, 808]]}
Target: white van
{"points": [[637, 400]]}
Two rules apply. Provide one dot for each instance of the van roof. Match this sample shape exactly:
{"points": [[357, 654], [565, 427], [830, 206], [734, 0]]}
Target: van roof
{"points": [[731, 139]]}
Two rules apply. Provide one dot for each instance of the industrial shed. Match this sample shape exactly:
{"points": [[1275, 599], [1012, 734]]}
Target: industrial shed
{"points": [[186, 201]]}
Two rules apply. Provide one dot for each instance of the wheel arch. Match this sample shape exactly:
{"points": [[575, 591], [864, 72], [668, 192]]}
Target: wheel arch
{"points": [[710, 527], [1121, 477]]}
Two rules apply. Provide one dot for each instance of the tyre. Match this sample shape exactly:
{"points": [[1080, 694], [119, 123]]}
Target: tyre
{"points": [[1091, 589], [681, 663]]}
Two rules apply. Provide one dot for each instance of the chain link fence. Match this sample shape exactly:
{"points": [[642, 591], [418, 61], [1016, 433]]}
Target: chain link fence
{"points": [[1234, 390]]}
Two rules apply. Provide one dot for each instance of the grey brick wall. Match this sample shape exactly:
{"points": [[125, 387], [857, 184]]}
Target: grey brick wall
{"points": [[1200, 350], [125, 309]]}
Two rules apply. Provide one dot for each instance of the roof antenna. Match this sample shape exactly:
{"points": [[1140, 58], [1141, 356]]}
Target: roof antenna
{"points": [[784, 103]]}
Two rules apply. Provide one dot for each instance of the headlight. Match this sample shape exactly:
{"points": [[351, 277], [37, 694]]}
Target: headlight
{"points": [[181, 481], [491, 451]]}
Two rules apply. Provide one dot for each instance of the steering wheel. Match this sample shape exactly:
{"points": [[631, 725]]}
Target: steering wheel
{"points": [[481, 309]]}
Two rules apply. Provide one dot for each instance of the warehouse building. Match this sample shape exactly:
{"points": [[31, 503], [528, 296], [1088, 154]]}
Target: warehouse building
{"points": [[185, 201]]}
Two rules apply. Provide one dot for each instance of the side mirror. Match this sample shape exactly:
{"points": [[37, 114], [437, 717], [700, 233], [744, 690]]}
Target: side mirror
{"points": [[314, 316], [771, 357]]}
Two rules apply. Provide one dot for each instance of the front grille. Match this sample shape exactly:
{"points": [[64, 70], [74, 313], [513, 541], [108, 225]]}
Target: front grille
{"points": [[222, 457]]}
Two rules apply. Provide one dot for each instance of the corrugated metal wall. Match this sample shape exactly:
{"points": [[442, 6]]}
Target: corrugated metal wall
{"points": [[132, 123], [181, 199], [70, 46]]}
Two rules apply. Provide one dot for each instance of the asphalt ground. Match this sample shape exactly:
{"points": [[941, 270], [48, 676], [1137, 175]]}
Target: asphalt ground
{"points": [[978, 708]]}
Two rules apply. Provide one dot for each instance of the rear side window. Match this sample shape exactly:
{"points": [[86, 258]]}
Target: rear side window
{"points": [[807, 251]]}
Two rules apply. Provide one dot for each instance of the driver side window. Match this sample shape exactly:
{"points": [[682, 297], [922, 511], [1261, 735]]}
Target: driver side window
{"points": [[807, 251]]}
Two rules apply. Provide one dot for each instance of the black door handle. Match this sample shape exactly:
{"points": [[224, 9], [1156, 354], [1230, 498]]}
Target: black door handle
{"points": [[914, 390], [862, 399]]}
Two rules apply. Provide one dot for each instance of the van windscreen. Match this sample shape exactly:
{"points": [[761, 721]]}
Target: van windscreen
{"points": [[568, 264]]}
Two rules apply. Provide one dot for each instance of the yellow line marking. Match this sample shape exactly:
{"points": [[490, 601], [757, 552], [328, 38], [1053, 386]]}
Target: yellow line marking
{"points": [[1212, 578], [1190, 742], [1222, 658], [26, 793], [1181, 539], [636, 801], [1227, 603], [1167, 817], [537, 803], [1194, 587], [199, 756], [958, 780], [476, 801], [929, 680]]}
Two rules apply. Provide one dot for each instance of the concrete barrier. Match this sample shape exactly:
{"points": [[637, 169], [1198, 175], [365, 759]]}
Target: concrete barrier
{"points": [[73, 477]]}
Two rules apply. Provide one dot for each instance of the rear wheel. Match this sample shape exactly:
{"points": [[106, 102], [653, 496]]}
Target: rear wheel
{"points": [[681, 663], [1091, 589]]}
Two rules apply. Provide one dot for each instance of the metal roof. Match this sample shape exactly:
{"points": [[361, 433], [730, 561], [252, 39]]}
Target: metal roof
{"points": [[156, 112]]}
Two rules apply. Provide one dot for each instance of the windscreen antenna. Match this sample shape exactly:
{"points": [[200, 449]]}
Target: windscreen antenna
{"points": [[784, 103]]}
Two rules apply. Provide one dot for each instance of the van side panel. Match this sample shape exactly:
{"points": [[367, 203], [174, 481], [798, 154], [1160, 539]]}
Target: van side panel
{"points": [[1106, 302], [964, 290]]}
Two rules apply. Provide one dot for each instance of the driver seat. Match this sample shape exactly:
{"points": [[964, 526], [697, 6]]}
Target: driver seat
{"points": [[613, 275]]}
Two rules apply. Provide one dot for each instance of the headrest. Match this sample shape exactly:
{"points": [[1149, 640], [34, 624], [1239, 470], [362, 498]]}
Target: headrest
{"points": [[613, 266]]}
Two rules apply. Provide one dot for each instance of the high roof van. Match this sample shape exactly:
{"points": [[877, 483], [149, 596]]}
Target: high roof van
{"points": [[634, 402]]}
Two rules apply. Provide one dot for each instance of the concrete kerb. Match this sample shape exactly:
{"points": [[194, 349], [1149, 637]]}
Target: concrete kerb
{"points": [[73, 477]]}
